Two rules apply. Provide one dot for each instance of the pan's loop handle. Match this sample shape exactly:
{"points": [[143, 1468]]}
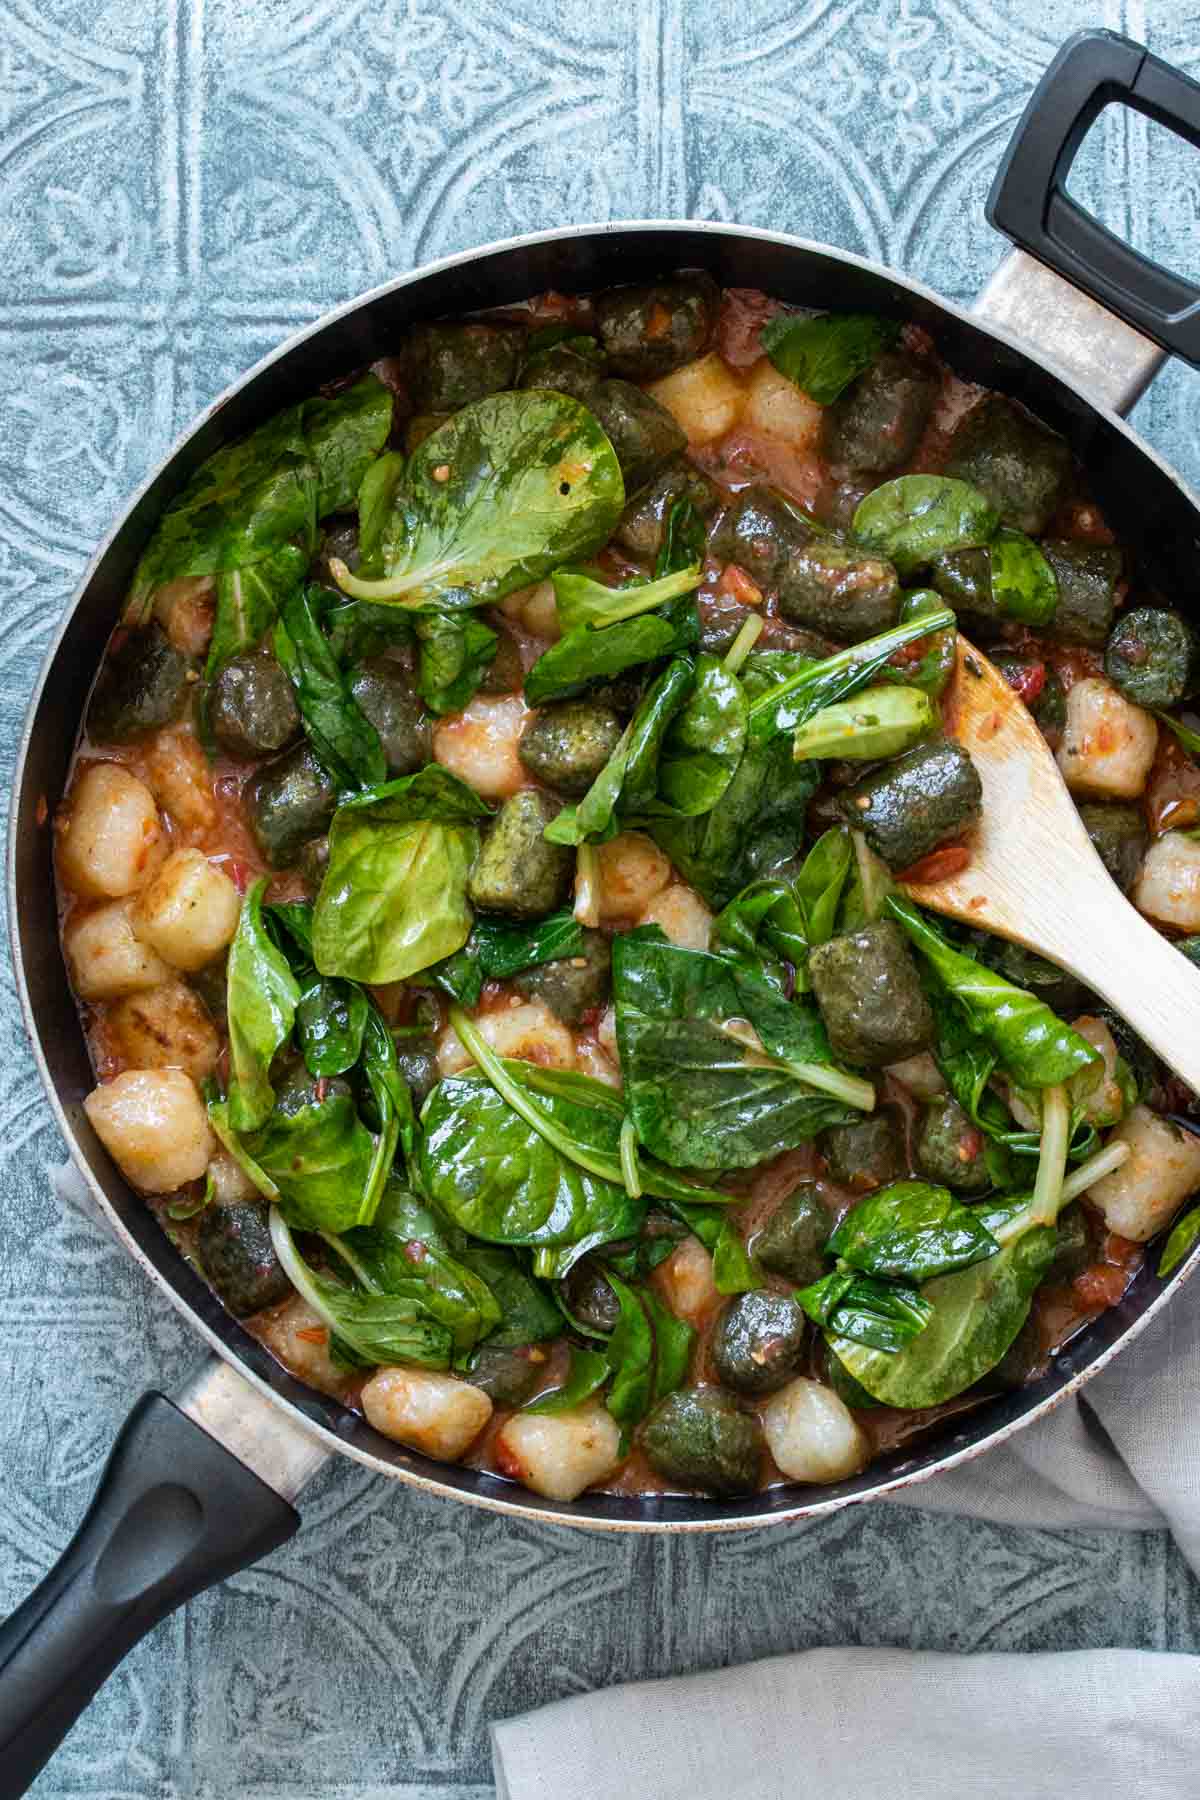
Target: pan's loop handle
{"points": [[1030, 204], [174, 1513]]}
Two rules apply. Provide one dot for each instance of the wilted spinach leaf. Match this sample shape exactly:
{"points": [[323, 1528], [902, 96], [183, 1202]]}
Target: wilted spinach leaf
{"points": [[331, 1017], [698, 1092], [932, 662], [343, 739], [506, 490], [249, 602], [684, 539], [394, 897], [262, 996], [690, 766], [1184, 1234], [822, 355], [528, 1315], [786, 689], [377, 514], [916, 517], [887, 1315], [911, 1231], [455, 653], [366, 1327], [785, 920], [498, 949], [1024, 586], [588, 654], [319, 1155], [588, 1371], [405, 1254], [345, 434], [583, 600], [1032, 1045], [241, 505]]}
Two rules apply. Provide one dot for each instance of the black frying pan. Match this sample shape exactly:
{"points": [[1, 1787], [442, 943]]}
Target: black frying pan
{"points": [[197, 1490]]}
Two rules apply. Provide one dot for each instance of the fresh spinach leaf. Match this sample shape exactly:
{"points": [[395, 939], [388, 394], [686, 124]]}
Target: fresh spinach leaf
{"points": [[822, 355], [392, 1103], [500, 1179], [977, 1312], [366, 1328], [343, 739], [684, 539], [588, 1371], [345, 434], [405, 1254], [357, 629], [910, 1231], [249, 602], [1032, 1045], [528, 1314], [916, 517], [290, 925], [786, 689], [630, 1360], [701, 1096], [785, 920], [586, 654], [1184, 1234], [885, 1315], [394, 896], [506, 490], [331, 1016], [581, 599], [378, 515], [319, 1156], [877, 723], [455, 653], [240, 506], [1024, 586], [673, 1341], [261, 998]]}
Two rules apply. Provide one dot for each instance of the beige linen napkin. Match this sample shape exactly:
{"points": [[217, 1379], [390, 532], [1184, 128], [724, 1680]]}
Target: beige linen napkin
{"points": [[1124, 1455]]}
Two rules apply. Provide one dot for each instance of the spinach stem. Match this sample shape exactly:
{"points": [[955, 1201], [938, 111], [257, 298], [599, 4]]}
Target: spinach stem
{"points": [[640, 600], [298, 1271], [629, 1160], [1052, 1163], [828, 1080], [587, 886], [1103, 1163], [752, 629], [218, 1118], [859, 657], [341, 1248]]}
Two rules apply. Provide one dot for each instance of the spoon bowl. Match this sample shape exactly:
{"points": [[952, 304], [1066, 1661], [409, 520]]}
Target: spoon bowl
{"points": [[1035, 877]]}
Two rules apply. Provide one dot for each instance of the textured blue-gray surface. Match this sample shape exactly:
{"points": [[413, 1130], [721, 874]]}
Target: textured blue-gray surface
{"points": [[182, 183]]}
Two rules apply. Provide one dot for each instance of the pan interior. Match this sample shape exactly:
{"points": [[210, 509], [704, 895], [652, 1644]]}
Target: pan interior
{"points": [[1149, 508]]}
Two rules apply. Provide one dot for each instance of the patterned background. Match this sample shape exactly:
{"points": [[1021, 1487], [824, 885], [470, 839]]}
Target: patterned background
{"points": [[182, 183]]}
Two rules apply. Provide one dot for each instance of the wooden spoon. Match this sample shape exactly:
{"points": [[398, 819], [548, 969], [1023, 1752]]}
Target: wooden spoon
{"points": [[1035, 877]]}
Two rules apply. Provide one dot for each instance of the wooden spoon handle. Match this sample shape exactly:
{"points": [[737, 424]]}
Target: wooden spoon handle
{"points": [[1114, 950]]}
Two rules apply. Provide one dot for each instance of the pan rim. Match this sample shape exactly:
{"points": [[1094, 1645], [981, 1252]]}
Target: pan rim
{"points": [[565, 1513]]}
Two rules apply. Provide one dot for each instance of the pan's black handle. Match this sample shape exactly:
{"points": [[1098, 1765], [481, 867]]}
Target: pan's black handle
{"points": [[1029, 202], [174, 1513]]}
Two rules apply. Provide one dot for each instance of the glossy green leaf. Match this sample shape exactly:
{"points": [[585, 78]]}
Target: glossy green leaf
{"points": [[345, 434], [701, 748], [673, 1342], [877, 723], [1024, 586], [528, 1314], [786, 689], [394, 896], [331, 1016], [630, 1360], [343, 739], [1185, 1233], [249, 602], [377, 513], [1032, 1045], [240, 506], [884, 1315], [320, 1158], [977, 1312], [367, 1328], [588, 655], [684, 539], [394, 1121], [634, 761], [405, 1254], [698, 1096], [455, 653], [822, 355], [587, 1372], [581, 599], [916, 517], [910, 1231], [508, 489], [734, 1269], [261, 998]]}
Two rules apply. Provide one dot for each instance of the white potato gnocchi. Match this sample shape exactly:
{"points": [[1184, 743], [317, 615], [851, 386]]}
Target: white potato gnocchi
{"points": [[168, 1027], [777, 406], [559, 1455], [682, 914], [1167, 888], [1162, 1169], [153, 1124], [812, 1434], [106, 957], [299, 1337], [182, 780], [1107, 745], [110, 838], [704, 397], [436, 1414], [535, 609], [631, 870], [686, 1282], [479, 745], [189, 912]]}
